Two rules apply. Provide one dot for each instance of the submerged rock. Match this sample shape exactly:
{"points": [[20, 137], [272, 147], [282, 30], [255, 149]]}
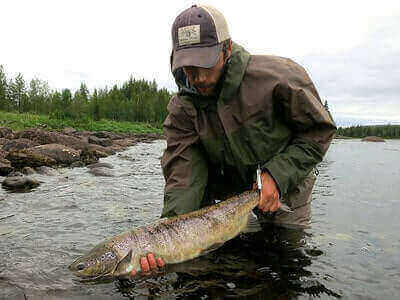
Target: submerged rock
{"points": [[101, 165], [373, 139], [20, 183], [101, 171], [43, 170]]}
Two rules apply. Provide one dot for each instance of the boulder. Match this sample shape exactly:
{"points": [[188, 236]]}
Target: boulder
{"points": [[105, 142], [20, 183], [89, 157], [18, 144], [43, 170], [6, 133], [125, 142], [28, 171], [25, 158], [373, 139], [63, 155], [5, 167], [106, 150], [43, 137]]}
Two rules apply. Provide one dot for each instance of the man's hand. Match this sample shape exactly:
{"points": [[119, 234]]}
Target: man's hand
{"points": [[149, 265], [269, 198]]}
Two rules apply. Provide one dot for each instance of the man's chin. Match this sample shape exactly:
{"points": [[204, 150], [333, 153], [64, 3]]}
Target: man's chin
{"points": [[206, 91]]}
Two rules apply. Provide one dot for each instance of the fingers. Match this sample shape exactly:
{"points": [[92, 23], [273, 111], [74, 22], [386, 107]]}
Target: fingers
{"points": [[269, 203], [149, 265]]}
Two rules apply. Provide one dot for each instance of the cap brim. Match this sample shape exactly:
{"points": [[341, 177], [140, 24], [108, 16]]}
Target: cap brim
{"points": [[204, 57]]}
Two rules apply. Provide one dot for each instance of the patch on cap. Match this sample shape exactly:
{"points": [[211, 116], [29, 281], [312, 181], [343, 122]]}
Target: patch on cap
{"points": [[189, 35]]}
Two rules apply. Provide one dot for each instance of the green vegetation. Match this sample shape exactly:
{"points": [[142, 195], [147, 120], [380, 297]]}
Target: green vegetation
{"points": [[20, 121], [384, 131], [104, 109]]}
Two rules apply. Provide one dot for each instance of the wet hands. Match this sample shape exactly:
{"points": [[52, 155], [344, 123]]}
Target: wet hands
{"points": [[149, 265], [269, 197]]}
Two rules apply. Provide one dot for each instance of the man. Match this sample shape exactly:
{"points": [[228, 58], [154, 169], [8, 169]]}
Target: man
{"points": [[233, 112]]}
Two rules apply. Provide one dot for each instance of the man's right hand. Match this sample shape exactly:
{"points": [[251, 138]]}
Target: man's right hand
{"points": [[150, 265]]}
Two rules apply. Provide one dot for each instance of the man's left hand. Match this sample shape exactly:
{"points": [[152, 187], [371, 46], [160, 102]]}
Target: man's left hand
{"points": [[269, 198]]}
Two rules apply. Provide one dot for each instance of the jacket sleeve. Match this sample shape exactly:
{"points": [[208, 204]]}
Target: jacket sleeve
{"points": [[312, 127], [184, 166]]}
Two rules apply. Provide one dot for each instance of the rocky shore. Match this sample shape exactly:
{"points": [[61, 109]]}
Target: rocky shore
{"points": [[26, 152]]}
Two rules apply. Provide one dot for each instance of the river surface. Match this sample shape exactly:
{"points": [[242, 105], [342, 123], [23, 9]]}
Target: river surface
{"points": [[352, 250]]}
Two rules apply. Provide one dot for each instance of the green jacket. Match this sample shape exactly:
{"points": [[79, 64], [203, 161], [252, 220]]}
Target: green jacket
{"points": [[268, 112]]}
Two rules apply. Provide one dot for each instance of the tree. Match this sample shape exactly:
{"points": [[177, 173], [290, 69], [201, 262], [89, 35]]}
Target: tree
{"points": [[3, 90], [17, 93]]}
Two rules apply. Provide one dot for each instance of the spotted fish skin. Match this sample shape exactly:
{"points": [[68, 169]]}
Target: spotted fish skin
{"points": [[175, 239]]}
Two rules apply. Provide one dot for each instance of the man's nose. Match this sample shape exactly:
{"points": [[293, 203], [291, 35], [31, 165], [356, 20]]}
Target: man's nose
{"points": [[200, 76]]}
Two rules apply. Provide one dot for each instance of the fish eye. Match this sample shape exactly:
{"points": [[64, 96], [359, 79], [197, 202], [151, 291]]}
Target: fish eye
{"points": [[80, 266]]}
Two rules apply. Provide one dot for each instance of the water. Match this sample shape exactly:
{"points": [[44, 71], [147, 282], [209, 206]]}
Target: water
{"points": [[350, 252]]}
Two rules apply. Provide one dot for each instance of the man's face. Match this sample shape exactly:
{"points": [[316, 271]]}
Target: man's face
{"points": [[205, 79]]}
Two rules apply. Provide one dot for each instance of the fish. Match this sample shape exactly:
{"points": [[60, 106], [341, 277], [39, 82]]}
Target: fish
{"points": [[176, 239]]}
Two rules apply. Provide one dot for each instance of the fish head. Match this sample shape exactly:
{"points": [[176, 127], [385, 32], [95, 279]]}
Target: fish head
{"points": [[98, 263]]}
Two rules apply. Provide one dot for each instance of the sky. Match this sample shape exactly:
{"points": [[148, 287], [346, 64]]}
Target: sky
{"points": [[351, 49]]}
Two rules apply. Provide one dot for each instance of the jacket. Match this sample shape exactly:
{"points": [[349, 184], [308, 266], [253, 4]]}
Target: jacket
{"points": [[267, 112]]}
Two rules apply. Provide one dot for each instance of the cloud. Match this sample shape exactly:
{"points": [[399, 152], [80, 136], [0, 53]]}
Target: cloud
{"points": [[363, 80]]}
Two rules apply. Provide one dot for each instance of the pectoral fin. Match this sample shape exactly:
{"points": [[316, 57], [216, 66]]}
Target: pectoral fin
{"points": [[124, 267], [253, 224]]}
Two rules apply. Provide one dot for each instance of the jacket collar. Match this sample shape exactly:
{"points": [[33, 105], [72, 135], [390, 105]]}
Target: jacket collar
{"points": [[235, 71]]}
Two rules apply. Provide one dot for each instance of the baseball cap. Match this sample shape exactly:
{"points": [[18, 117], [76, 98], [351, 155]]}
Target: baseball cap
{"points": [[197, 34]]}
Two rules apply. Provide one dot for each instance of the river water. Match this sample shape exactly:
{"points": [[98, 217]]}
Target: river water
{"points": [[351, 251]]}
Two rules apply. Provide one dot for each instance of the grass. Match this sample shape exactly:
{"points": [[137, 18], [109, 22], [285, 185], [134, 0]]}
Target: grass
{"points": [[17, 122]]}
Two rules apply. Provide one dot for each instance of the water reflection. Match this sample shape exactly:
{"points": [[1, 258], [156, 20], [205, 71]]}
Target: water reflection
{"points": [[271, 264]]}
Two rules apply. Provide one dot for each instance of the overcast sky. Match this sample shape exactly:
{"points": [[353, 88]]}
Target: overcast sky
{"points": [[351, 49]]}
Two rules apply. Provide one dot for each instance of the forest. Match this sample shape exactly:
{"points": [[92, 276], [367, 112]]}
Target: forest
{"points": [[134, 101], [384, 131]]}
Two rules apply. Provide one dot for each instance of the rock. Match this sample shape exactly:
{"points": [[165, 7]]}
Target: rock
{"points": [[100, 171], [5, 167], [28, 171], [20, 183], [89, 157], [3, 153], [106, 150], [6, 133], [105, 142], [25, 158], [68, 130], [18, 144], [107, 135], [15, 174], [373, 139], [125, 142], [3, 141], [63, 155], [43, 170], [77, 164], [100, 165], [43, 137]]}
